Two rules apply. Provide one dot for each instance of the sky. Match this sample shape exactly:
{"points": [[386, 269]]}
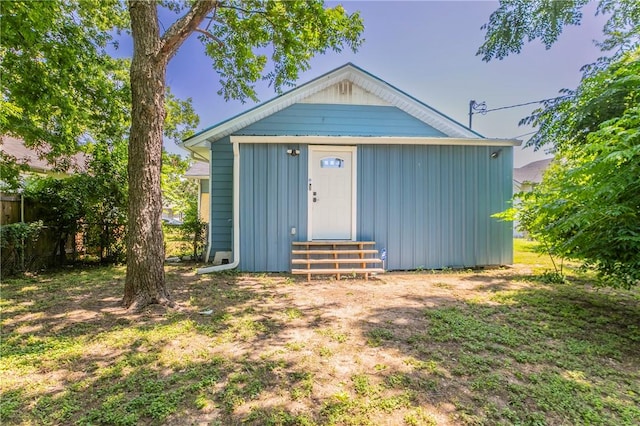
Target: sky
{"points": [[428, 50]]}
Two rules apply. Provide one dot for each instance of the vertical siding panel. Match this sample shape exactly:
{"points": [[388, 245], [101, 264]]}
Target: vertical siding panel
{"points": [[455, 203], [507, 194], [450, 196], [457, 207], [303, 193], [258, 208], [247, 208], [273, 210], [429, 206], [407, 191], [485, 206], [366, 192], [472, 198], [284, 219], [381, 196], [260, 214], [395, 208], [495, 235], [433, 206], [499, 206], [420, 214], [446, 205], [291, 184]]}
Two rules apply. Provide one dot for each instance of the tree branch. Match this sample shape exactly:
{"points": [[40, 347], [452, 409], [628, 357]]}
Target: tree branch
{"points": [[211, 36], [183, 27], [250, 12]]}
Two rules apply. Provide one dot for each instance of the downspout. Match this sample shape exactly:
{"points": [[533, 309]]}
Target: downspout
{"points": [[236, 219], [209, 228]]}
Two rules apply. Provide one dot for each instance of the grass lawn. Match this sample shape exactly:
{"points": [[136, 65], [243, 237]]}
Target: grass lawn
{"points": [[486, 347]]}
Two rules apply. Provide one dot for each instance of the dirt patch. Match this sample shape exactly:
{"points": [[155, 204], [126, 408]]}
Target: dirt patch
{"points": [[401, 348]]}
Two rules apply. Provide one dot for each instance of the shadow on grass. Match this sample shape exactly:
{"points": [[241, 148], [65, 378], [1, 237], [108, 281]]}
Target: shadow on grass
{"points": [[77, 357], [539, 355], [529, 354]]}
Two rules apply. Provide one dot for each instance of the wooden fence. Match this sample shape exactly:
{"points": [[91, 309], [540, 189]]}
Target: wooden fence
{"points": [[37, 254]]}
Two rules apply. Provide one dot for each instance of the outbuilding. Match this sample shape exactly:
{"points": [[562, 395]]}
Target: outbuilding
{"points": [[349, 162]]}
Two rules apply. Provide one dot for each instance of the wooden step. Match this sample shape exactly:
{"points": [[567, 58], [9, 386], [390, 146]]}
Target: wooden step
{"points": [[335, 258], [338, 271], [337, 251], [333, 243], [340, 260]]}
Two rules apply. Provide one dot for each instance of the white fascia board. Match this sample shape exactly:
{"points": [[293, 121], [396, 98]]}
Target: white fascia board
{"points": [[411, 105], [374, 140], [375, 85], [266, 109]]}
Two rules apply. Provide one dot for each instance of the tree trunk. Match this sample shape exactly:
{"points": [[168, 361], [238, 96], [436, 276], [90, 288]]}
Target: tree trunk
{"points": [[145, 282]]}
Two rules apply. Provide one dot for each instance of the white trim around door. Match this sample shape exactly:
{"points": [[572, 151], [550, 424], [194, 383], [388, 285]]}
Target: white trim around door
{"points": [[325, 153]]}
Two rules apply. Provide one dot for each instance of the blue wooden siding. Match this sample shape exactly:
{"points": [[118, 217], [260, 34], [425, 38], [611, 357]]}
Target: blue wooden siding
{"points": [[221, 197], [273, 199], [340, 120], [431, 206]]}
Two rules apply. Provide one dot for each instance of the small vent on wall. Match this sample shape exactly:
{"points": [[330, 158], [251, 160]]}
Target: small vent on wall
{"points": [[345, 87]]}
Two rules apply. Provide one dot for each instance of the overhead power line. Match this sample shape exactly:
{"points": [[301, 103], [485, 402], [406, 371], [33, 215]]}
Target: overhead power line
{"points": [[524, 134], [481, 107]]}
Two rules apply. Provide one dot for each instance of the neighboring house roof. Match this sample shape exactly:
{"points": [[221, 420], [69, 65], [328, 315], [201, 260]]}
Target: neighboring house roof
{"points": [[198, 170], [15, 147], [373, 86], [532, 172]]}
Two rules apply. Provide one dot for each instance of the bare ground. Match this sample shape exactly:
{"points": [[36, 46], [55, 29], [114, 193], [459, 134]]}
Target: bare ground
{"points": [[337, 332]]}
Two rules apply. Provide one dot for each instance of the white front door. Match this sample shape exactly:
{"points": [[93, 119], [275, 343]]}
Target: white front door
{"points": [[332, 192]]}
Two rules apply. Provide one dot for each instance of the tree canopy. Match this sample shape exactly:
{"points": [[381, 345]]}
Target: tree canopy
{"points": [[247, 40], [588, 204], [61, 88], [516, 22]]}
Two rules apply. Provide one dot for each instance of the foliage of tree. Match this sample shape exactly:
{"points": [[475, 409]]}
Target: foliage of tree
{"points": [[176, 190], [588, 204], [106, 212], [63, 203], [237, 35], [14, 239], [92, 202], [517, 22], [192, 226], [60, 86], [62, 93], [10, 171]]}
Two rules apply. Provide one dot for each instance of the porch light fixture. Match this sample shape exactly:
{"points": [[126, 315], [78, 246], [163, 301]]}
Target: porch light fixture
{"points": [[496, 154], [293, 152]]}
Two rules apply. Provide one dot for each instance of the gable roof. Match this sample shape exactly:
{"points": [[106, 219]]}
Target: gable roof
{"points": [[370, 83], [198, 170], [532, 172], [16, 148]]}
